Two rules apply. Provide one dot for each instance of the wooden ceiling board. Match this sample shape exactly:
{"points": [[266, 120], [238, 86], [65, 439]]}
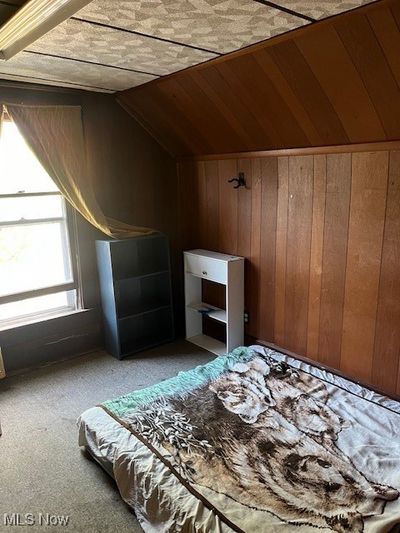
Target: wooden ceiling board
{"points": [[359, 121], [386, 29], [271, 69], [335, 82], [372, 66]]}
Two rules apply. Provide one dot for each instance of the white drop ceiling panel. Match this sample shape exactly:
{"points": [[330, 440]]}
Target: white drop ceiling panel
{"points": [[217, 25], [75, 39], [35, 68]]}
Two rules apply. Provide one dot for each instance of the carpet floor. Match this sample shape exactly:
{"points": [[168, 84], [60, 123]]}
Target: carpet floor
{"points": [[42, 470]]}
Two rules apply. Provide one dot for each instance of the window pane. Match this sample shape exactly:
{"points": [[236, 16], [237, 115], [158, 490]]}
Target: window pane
{"points": [[20, 170], [33, 256], [41, 304], [31, 207]]}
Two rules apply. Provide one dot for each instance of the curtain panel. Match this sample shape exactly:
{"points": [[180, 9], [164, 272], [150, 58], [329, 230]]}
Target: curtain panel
{"points": [[55, 135]]}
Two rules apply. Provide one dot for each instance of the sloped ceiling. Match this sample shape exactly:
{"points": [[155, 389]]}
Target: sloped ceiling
{"points": [[112, 45], [331, 83]]}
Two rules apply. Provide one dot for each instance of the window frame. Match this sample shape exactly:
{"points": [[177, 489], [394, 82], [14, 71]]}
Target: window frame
{"points": [[70, 245]]}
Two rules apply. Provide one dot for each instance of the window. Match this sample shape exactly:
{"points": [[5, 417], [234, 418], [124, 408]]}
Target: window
{"points": [[38, 272]]}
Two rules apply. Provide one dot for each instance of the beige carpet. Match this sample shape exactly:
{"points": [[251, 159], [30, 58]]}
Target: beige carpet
{"points": [[42, 470]]}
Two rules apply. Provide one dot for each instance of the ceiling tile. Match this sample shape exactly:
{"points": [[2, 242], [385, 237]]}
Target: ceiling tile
{"points": [[42, 69], [216, 25], [320, 9], [74, 39]]}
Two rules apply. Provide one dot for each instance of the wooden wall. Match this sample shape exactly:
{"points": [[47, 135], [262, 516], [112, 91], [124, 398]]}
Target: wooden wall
{"points": [[330, 83], [321, 234]]}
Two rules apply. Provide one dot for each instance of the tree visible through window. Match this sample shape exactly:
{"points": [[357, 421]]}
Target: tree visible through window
{"points": [[37, 269]]}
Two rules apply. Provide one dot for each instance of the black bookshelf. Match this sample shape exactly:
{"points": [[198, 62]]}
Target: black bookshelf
{"points": [[136, 294]]}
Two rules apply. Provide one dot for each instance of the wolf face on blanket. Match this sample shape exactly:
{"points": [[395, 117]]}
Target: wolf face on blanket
{"points": [[268, 435]]}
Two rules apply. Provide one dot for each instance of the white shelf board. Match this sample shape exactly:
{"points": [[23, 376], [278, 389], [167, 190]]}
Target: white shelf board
{"points": [[209, 344], [214, 255], [216, 313]]}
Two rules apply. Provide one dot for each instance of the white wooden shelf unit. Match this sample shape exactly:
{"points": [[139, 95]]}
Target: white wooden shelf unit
{"points": [[227, 270]]}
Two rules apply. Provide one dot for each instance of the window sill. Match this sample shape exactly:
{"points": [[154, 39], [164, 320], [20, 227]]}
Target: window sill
{"points": [[37, 319]]}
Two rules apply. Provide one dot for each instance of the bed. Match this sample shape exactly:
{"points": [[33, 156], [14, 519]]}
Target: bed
{"points": [[253, 441]]}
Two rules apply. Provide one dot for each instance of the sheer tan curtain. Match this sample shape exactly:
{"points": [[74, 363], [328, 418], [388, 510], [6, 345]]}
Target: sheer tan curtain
{"points": [[55, 135]]}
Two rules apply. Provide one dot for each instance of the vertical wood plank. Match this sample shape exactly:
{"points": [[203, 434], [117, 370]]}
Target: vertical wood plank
{"points": [[280, 259], [298, 252], [386, 361], [317, 239], [366, 225], [338, 182], [398, 380], [244, 226], [213, 293], [269, 185], [202, 211], [189, 207], [253, 298], [386, 358], [212, 198], [228, 207], [244, 209]]}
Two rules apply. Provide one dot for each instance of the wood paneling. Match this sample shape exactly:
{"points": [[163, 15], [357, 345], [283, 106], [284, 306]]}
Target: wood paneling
{"points": [[337, 201], [269, 194], [364, 255], [253, 266], [330, 83], [317, 242], [228, 207], [299, 222], [321, 235], [386, 358], [280, 248]]}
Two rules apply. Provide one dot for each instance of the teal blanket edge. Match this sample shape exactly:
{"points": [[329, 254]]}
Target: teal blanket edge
{"points": [[184, 382]]}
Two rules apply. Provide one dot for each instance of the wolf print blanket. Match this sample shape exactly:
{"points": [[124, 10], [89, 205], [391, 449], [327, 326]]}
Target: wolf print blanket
{"points": [[271, 447]]}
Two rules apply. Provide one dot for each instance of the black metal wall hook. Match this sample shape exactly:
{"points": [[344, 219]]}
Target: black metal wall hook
{"points": [[241, 181]]}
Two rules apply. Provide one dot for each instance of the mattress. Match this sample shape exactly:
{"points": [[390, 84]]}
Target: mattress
{"points": [[346, 431]]}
